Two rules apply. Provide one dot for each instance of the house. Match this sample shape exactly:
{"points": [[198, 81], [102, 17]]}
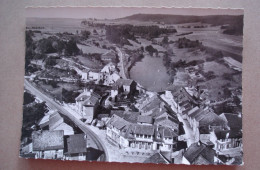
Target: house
{"points": [[114, 92], [76, 147], [108, 69], [231, 137], [140, 137], [44, 122], [126, 86], [109, 74], [182, 100], [145, 120], [198, 154], [94, 76], [198, 118], [54, 121], [48, 144], [115, 126], [82, 72], [165, 139], [157, 158], [87, 103], [57, 122], [167, 121]]}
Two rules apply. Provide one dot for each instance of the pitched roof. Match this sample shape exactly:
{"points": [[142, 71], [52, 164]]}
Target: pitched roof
{"points": [[131, 116], [76, 144], [144, 129], [156, 158], [165, 132], [200, 154], [126, 115], [92, 100], [86, 94], [152, 103], [44, 121], [145, 119], [55, 120], [195, 111], [119, 113], [117, 122], [167, 121], [47, 140], [126, 82], [205, 117], [210, 118]]}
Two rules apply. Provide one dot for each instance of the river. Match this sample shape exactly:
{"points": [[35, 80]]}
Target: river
{"points": [[150, 73]]}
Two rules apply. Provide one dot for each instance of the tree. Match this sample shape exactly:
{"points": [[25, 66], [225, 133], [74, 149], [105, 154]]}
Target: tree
{"points": [[71, 48], [27, 98], [69, 96], [45, 45], [31, 115], [85, 34], [150, 49], [165, 40]]}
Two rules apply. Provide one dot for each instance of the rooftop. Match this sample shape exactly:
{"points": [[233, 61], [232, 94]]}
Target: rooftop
{"points": [[145, 119], [125, 82], [76, 144], [156, 158], [144, 129], [47, 140], [199, 154]]}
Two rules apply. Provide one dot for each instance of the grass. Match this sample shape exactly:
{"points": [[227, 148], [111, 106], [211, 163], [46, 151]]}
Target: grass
{"points": [[217, 68], [91, 49], [88, 63]]}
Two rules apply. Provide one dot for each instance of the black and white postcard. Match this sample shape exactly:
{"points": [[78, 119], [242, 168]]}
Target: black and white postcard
{"points": [[133, 84]]}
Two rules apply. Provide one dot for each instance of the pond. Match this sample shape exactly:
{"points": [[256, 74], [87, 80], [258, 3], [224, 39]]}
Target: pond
{"points": [[150, 73]]}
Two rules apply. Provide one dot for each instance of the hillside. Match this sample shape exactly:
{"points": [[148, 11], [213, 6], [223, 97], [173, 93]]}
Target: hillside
{"points": [[235, 22]]}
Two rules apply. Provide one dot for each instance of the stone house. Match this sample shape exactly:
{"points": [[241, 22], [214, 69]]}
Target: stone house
{"points": [[76, 147], [87, 103], [48, 144]]}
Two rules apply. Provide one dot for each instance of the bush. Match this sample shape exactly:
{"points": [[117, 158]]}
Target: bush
{"points": [[71, 48], [27, 98], [69, 96], [85, 34], [150, 49]]}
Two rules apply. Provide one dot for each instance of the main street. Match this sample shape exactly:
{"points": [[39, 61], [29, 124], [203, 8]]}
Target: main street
{"points": [[55, 106]]}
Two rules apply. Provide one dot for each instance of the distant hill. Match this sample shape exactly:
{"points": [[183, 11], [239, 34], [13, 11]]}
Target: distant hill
{"points": [[179, 19], [235, 22]]}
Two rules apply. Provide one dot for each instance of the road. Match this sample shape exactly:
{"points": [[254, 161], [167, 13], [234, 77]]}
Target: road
{"points": [[120, 54], [55, 106]]}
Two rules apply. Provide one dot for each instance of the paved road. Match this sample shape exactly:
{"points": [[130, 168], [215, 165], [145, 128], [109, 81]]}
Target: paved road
{"points": [[55, 106], [120, 54]]}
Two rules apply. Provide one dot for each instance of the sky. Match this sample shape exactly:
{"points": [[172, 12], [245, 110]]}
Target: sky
{"points": [[120, 12]]}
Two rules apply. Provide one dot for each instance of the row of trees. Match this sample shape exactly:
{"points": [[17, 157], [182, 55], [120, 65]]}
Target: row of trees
{"points": [[120, 33], [55, 45], [187, 43]]}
